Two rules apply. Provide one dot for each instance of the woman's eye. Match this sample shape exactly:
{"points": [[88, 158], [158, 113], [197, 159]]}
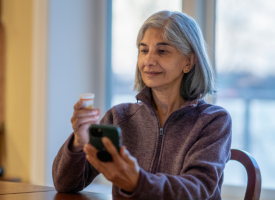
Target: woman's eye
{"points": [[162, 51], [144, 50]]}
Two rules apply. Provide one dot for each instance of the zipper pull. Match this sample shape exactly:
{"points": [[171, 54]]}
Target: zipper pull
{"points": [[161, 132]]}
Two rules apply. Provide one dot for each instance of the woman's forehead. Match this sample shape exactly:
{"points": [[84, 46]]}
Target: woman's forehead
{"points": [[153, 35]]}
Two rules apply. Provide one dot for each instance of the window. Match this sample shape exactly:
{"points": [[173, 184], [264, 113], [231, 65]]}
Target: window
{"points": [[245, 41]]}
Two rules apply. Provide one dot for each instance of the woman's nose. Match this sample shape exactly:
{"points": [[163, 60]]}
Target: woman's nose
{"points": [[150, 59]]}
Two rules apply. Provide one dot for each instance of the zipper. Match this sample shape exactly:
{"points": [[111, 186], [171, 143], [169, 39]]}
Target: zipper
{"points": [[161, 132], [155, 165], [156, 159], [157, 156]]}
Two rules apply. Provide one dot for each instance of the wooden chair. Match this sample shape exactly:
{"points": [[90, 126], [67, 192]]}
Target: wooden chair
{"points": [[253, 189]]}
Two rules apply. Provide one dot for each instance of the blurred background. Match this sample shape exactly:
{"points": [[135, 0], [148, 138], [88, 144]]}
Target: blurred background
{"points": [[53, 50]]}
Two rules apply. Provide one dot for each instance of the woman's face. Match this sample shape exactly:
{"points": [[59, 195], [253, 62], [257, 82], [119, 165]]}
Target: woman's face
{"points": [[161, 65]]}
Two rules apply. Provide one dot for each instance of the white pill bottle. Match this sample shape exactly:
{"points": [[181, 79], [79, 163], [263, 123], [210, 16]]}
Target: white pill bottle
{"points": [[88, 100]]}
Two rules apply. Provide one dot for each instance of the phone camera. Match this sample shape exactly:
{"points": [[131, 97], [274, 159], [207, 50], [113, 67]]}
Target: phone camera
{"points": [[96, 132]]}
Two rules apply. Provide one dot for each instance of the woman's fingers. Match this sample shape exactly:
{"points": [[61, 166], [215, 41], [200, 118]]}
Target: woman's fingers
{"points": [[125, 154], [86, 112], [78, 105], [111, 148], [80, 116], [90, 150], [82, 120], [121, 174], [91, 156]]}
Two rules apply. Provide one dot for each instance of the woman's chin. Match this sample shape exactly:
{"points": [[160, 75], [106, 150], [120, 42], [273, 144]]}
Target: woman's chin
{"points": [[158, 87], [152, 85]]}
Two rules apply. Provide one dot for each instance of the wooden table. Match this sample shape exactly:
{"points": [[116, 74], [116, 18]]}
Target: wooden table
{"points": [[23, 191]]}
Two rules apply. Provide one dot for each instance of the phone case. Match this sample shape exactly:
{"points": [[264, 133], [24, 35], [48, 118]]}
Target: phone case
{"points": [[96, 132]]}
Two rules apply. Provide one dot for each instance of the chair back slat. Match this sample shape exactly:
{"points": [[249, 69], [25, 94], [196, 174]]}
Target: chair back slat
{"points": [[253, 189]]}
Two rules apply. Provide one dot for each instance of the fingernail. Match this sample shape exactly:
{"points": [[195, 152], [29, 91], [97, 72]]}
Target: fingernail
{"points": [[127, 151], [105, 140], [85, 147]]}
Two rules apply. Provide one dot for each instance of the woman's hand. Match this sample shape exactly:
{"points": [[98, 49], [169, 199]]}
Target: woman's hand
{"points": [[81, 120], [123, 171]]}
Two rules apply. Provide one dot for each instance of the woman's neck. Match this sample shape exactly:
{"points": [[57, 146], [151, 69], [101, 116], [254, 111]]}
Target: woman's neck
{"points": [[166, 102]]}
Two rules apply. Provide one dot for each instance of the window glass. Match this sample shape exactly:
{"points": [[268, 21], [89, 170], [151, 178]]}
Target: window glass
{"points": [[245, 57], [128, 16]]}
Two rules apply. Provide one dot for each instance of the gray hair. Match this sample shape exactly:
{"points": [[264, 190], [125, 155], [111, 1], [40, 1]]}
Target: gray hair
{"points": [[184, 33]]}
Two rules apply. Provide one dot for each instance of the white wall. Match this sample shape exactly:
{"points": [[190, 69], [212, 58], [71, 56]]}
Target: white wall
{"points": [[76, 64]]}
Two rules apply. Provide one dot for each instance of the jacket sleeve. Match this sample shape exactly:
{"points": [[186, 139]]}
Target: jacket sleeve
{"points": [[71, 171], [202, 170]]}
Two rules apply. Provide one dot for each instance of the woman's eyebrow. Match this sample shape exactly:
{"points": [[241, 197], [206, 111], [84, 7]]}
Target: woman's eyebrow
{"points": [[163, 43], [158, 44], [142, 44]]}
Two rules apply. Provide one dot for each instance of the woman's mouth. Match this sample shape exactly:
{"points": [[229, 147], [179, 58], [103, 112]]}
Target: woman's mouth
{"points": [[152, 74]]}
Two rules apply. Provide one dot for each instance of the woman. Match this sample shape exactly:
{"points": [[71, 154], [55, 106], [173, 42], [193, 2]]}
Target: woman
{"points": [[177, 144]]}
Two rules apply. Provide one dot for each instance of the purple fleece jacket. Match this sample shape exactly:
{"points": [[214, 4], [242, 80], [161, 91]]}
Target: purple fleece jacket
{"points": [[184, 160]]}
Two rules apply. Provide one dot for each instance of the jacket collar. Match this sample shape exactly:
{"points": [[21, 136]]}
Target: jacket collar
{"points": [[145, 95]]}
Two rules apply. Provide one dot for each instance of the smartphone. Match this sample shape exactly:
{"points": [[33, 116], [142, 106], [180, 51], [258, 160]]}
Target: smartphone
{"points": [[96, 132]]}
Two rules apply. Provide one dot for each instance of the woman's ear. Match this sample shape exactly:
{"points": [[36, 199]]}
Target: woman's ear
{"points": [[193, 59], [190, 64]]}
